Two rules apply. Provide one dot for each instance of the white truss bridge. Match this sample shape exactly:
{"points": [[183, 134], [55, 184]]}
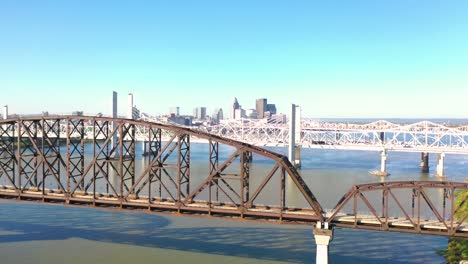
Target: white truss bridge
{"points": [[381, 135]]}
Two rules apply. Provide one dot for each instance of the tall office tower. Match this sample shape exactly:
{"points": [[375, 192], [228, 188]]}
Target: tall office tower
{"points": [[114, 105], [261, 107], [5, 112], [202, 113], [196, 112], [174, 111], [271, 108], [220, 114], [199, 113], [240, 113], [130, 106], [135, 113], [235, 106]]}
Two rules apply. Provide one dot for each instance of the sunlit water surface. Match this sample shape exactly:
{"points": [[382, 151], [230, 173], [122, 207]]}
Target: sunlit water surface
{"points": [[36, 233]]}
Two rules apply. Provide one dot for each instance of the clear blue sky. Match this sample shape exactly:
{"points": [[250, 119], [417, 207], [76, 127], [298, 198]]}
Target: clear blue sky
{"points": [[359, 58]]}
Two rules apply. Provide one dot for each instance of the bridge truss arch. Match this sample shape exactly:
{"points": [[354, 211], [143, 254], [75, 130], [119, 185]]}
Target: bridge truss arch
{"points": [[92, 160], [405, 206], [380, 135]]}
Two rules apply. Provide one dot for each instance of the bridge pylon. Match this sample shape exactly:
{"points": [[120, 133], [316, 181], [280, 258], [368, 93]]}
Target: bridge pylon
{"points": [[294, 147]]}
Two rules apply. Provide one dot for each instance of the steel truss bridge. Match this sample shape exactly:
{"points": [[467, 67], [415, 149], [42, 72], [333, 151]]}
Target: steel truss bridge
{"points": [[91, 161], [381, 135]]}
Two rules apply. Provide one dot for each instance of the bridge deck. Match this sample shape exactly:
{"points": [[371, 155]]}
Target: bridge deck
{"points": [[265, 212], [275, 214]]}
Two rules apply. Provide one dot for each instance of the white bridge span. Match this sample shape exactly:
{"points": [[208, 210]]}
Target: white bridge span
{"points": [[382, 136], [378, 136]]}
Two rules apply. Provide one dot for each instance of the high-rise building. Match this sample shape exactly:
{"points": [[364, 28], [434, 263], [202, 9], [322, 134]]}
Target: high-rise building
{"points": [[271, 108], [135, 112], [174, 111], [217, 115], [199, 113], [5, 112], [220, 114], [240, 113], [261, 107], [202, 113], [235, 106]]}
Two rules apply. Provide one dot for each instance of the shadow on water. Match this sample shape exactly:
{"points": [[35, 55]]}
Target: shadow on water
{"points": [[295, 244]]}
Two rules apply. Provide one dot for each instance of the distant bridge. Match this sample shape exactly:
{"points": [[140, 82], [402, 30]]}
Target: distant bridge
{"points": [[60, 159], [423, 136]]}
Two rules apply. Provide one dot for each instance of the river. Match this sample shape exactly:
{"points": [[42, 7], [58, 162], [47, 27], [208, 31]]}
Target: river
{"points": [[39, 233]]}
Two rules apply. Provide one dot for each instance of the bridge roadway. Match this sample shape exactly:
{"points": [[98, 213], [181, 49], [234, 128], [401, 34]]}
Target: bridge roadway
{"points": [[272, 214], [33, 167]]}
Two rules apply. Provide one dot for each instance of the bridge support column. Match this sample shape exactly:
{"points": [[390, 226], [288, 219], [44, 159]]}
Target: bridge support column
{"points": [[383, 163], [297, 162], [292, 135], [424, 162], [440, 165], [114, 124], [323, 235], [297, 141], [294, 150]]}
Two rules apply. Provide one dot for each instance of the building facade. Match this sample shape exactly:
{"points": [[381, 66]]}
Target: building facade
{"points": [[261, 107]]}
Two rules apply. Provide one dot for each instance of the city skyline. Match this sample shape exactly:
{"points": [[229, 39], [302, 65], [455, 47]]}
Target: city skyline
{"points": [[336, 60]]}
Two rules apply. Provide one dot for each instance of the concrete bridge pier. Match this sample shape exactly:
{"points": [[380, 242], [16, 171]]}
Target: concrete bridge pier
{"points": [[323, 236], [424, 162], [383, 163], [440, 165]]}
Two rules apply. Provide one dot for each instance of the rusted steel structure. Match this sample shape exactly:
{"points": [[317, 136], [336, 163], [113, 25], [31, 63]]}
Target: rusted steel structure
{"points": [[76, 160], [72, 159], [406, 199]]}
